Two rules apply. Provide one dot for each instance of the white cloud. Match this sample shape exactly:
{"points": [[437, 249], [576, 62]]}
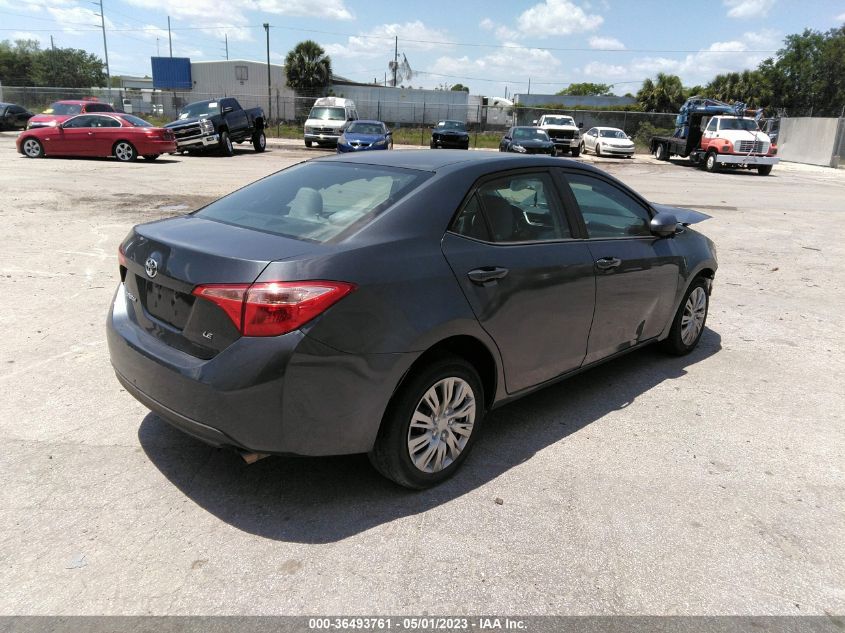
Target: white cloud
{"points": [[606, 43], [840, 18], [557, 17], [513, 63], [378, 41], [75, 19], [330, 9], [43, 40], [599, 70], [487, 24], [742, 9]]}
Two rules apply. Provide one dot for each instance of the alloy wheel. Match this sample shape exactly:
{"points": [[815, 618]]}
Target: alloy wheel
{"points": [[695, 311], [31, 148], [124, 151], [441, 424]]}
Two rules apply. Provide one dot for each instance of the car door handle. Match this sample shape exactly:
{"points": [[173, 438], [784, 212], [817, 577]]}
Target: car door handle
{"points": [[607, 263], [90, 134], [488, 273]]}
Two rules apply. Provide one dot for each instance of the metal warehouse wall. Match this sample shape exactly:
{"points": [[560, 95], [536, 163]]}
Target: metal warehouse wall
{"points": [[810, 140], [403, 105], [589, 101], [219, 79]]}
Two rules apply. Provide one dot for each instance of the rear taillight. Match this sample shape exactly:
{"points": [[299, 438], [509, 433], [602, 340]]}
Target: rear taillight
{"points": [[274, 307]]}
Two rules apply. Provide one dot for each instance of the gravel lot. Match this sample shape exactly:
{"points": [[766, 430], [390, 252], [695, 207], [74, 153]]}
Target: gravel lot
{"points": [[710, 484]]}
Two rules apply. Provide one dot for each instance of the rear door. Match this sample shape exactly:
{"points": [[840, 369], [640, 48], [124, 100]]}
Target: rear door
{"points": [[104, 131], [637, 273], [530, 284]]}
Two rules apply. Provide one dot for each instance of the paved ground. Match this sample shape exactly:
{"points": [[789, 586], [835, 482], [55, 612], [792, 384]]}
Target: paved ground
{"points": [[711, 484]]}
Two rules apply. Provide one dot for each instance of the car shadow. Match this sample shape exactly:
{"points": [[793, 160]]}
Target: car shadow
{"points": [[323, 500]]}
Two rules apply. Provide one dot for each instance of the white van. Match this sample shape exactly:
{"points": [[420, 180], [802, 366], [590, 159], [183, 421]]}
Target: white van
{"points": [[327, 118]]}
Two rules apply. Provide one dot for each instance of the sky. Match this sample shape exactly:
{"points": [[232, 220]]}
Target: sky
{"points": [[495, 47]]}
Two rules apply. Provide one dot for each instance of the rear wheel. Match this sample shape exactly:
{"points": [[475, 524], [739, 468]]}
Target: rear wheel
{"points": [[764, 170], [124, 151], [710, 163], [32, 148], [226, 147], [259, 141], [151, 156], [689, 320], [660, 152], [431, 424]]}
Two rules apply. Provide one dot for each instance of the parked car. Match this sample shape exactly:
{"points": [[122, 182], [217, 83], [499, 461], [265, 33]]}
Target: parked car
{"points": [[123, 136], [607, 141], [328, 118], [449, 134], [563, 131], [61, 111], [364, 136], [383, 303], [13, 117], [527, 140], [216, 125]]}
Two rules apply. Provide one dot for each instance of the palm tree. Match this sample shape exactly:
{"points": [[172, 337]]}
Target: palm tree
{"points": [[308, 67], [666, 95]]}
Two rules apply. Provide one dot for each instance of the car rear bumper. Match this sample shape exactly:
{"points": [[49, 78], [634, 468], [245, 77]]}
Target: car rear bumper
{"points": [[157, 147], [282, 394], [451, 143]]}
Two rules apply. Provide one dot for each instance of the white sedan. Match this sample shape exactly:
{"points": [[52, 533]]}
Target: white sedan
{"points": [[607, 141]]}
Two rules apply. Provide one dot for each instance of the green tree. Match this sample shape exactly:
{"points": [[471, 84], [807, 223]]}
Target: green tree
{"points": [[752, 87], [460, 88], [586, 89], [25, 64], [308, 67], [664, 95], [16, 61]]}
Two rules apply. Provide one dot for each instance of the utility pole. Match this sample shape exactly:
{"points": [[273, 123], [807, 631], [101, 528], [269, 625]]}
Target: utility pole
{"points": [[226, 39], [105, 48], [269, 90], [169, 38], [158, 49], [395, 60], [53, 61], [529, 85]]}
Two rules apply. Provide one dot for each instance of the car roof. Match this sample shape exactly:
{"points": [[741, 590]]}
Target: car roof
{"points": [[436, 160], [610, 128], [369, 121], [78, 101]]}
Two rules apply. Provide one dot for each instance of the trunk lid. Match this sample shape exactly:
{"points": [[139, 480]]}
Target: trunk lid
{"points": [[166, 260]]}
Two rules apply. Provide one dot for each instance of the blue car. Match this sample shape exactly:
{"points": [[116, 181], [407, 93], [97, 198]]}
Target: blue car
{"points": [[360, 136]]}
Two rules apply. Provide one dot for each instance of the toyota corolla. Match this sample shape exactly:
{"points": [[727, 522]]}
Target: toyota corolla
{"points": [[384, 302]]}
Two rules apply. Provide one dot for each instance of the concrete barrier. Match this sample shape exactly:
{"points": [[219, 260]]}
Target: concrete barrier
{"points": [[810, 140]]}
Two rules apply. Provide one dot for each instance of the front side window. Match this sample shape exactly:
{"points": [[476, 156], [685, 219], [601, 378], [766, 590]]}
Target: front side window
{"points": [[104, 121], [711, 127], [516, 208], [315, 202], [79, 121], [607, 210]]}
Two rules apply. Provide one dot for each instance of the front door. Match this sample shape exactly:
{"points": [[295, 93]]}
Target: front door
{"points": [[529, 283], [637, 273]]}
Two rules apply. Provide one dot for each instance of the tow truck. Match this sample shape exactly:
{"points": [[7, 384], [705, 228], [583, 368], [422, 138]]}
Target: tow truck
{"points": [[714, 135]]}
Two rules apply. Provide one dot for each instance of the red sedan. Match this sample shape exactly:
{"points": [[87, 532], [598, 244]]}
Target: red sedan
{"points": [[120, 135], [61, 111]]}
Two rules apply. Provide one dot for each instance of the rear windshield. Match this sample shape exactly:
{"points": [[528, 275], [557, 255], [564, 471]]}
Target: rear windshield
{"points": [[136, 121], [318, 202]]}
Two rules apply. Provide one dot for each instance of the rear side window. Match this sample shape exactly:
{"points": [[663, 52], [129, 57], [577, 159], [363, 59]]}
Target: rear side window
{"points": [[318, 202], [98, 107], [517, 208]]}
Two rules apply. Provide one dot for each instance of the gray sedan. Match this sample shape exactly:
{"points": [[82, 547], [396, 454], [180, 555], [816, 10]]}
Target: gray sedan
{"points": [[383, 303]]}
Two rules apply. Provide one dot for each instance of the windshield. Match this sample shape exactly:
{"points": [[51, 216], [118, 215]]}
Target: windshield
{"points": [[136, 121], [199, 109], [613, 134], [529, 134], [63, 109], [328, 114], [365, 128], [452, 125], [739, 124], [315, 202], [559, 120]]}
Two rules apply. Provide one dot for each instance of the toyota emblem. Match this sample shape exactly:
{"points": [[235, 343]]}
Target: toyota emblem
{"points": [[151, 266]]}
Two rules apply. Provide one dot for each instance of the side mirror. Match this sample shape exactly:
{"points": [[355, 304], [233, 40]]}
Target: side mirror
{"points": [[534, 122], [227, 109], [664, 224], [581, 125]]}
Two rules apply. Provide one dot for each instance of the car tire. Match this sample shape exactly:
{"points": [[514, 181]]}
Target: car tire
{"points": [[764, 170], [660, 152], [583, 148], [259, 141], [307, 143], [432, 146], [226, 147], [689, 322], [710, 162], [554, 152], [598, 150], [125, 152], [575, 151], [151, 157], [432, 450], [32, 148]]}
